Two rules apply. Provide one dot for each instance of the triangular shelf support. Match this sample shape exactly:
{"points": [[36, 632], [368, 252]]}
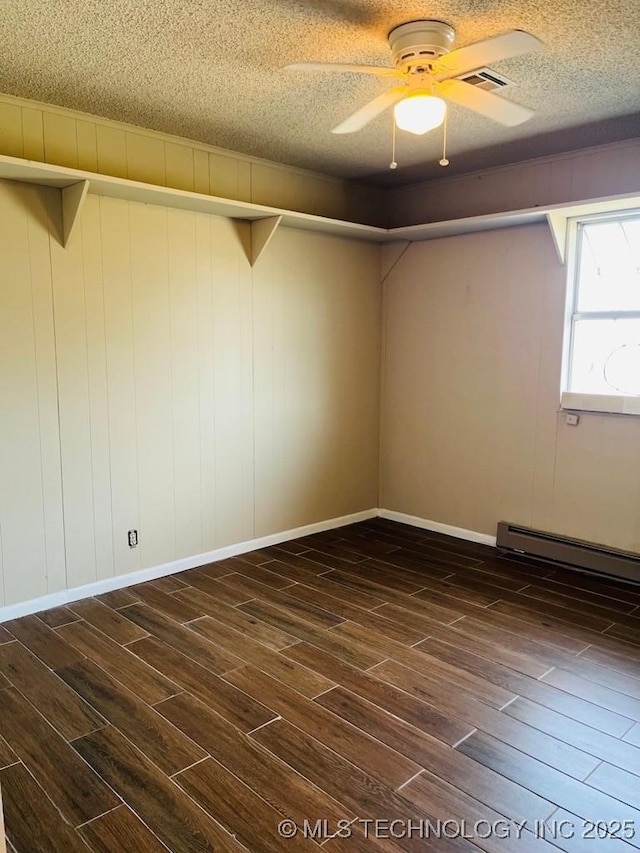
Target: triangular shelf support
{"points": [[391, 254], [262, 230], [558, 225], [72, 199]]}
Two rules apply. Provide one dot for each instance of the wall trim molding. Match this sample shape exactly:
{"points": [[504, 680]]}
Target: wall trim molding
{"points": [[438, 527], [67, 596]]}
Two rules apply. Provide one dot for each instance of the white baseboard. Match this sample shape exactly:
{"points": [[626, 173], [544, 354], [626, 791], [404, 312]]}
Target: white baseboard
{"points": [[56, 599], [66, 596], [438, 527]]}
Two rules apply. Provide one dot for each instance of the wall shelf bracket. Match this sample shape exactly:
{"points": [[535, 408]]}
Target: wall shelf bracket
{"points": [[391, 254], [558, 225], [72, 202], [262, 230]]}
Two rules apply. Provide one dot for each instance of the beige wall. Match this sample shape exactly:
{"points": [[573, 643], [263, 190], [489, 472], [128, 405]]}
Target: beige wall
{"points": [[64, 137], [51, 134], [576, 176], [151, 379], [471, 432]]}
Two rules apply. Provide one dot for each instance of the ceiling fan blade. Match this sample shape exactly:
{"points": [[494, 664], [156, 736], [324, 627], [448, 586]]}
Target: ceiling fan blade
{"points": [[378, 70], [367, 113], [486, 52], [486, 103]]}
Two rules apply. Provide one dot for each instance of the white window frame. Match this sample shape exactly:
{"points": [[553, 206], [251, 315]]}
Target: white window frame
{"points": [[618, 404]]}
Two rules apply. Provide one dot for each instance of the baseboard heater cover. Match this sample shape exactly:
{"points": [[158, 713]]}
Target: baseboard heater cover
{"points": [[588, 556]]}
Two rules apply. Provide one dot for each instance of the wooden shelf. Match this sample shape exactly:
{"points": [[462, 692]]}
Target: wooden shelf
{"points": [[469, 224], [556, 215], [29, 171]]}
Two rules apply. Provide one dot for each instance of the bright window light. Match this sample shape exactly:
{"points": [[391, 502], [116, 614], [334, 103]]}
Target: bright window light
{"points": [[604, 354]]}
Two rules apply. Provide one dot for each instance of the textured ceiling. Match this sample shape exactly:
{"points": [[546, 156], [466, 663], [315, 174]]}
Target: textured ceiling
{"points": [[211, 70]]}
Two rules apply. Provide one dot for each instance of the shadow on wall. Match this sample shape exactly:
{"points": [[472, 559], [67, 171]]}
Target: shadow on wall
{"points": [[558, 142]]}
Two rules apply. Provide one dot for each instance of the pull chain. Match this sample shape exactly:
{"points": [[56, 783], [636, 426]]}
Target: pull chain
{"points": [[444, 161], [393, 164]]}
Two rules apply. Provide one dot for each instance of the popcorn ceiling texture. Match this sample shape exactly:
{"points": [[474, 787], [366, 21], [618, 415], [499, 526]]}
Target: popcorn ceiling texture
{"points": [[212, 71]]}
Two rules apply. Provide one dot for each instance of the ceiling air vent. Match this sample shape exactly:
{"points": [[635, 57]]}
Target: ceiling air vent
{"points": [[487, 79]]}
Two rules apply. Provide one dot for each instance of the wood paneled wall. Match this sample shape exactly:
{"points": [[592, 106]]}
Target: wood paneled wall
{"points": [[64, 137], [51, 134], [606, 170], [150, 379], [471, 428], [31, 524]]}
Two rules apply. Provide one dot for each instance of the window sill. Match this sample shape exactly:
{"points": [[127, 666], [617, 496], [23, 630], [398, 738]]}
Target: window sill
{"points": [[610, 404]]}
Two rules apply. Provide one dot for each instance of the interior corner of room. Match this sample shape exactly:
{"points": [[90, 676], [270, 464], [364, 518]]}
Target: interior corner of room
{"points": [[217, 351], [319, 426]]}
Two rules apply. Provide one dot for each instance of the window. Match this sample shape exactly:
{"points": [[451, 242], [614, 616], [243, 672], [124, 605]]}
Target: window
{"points": [[602, 370]]}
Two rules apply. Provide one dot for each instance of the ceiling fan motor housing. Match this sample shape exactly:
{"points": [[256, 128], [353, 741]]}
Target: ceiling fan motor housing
{"points": [[416, 44]]}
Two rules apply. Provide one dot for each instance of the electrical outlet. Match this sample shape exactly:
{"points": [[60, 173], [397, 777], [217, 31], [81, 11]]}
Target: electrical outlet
{"points": [[132, 537]]}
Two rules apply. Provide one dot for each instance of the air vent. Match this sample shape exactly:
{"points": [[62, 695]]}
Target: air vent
{"points": [[487, 79]]}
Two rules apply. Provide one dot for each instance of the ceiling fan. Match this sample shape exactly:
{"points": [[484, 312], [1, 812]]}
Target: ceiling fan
{"points": [[428, 71]]}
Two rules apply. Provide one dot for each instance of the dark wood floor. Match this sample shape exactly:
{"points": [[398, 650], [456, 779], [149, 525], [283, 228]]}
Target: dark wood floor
{"points": [[373, 672]]}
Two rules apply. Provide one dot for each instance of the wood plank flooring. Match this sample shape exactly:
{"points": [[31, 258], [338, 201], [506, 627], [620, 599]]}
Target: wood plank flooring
{"points": [[373, 673]]}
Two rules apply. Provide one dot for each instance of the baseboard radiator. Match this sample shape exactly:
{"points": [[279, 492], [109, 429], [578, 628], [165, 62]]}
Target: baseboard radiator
{"points": [[574, 552]]}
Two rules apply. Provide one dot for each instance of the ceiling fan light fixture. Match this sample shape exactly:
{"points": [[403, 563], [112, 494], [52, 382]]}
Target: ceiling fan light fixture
{"points": [[420, 113]]}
